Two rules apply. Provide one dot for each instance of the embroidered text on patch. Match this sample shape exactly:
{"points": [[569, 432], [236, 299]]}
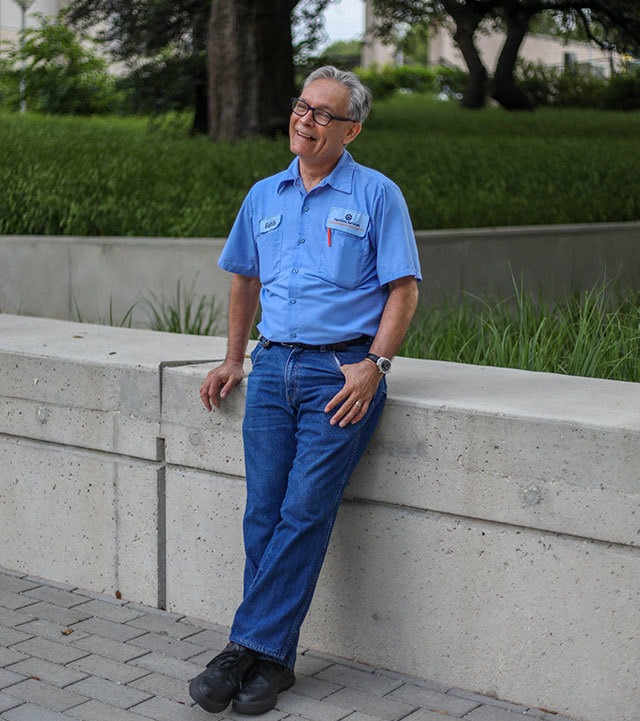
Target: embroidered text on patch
{"points": [[349, 221], [270, 223]]}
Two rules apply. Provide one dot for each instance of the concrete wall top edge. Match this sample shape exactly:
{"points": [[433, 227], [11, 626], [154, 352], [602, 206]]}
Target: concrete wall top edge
{"points": [[86, 342], [435, 384], [114, 240], [423, 236], [516, 393], [454, 234], [507, 392]]}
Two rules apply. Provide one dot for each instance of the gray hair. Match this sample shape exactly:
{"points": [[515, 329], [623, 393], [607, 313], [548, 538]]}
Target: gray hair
{"points": [[361, 96]]}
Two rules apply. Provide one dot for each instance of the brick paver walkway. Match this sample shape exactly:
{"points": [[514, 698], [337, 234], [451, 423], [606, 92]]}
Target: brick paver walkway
{"points": [[67, 654]]}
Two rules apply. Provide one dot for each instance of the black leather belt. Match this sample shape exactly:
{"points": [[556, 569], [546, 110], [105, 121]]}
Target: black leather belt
{"points": [[343, 345]]}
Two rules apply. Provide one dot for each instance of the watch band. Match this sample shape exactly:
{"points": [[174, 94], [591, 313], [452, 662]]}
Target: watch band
{"points": [[383, 364]]}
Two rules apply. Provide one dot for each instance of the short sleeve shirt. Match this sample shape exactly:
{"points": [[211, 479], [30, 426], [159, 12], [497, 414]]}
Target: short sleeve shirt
{"points": [[325, 257]]}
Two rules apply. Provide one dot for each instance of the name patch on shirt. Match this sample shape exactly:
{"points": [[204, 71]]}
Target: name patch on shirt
{"points": [[270, 223], [349, 221]]}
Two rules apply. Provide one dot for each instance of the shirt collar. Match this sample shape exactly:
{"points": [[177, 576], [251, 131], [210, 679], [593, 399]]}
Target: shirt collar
{"points": [[340, 178]]}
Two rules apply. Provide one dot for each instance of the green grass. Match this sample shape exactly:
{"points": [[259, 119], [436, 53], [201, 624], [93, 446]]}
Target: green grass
{"points": [[593, 333], [184, 313], [115, 176]]}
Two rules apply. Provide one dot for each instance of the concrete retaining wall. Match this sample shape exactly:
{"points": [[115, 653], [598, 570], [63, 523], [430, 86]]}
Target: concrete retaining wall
{"points": [[490, 537], [55, 277]]}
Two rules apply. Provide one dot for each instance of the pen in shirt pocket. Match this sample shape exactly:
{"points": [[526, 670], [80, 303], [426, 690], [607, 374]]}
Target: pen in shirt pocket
{"points": [[329, 236]]}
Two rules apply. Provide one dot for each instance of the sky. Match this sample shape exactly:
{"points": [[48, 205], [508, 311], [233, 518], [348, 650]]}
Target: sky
{"points": [[344, 20]]}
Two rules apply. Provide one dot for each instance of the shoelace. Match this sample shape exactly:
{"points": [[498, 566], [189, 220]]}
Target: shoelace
{"points": [[226, 659], [269, 666]]}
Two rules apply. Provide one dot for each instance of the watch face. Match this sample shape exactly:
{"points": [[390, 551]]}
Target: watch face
{"points": [[384, 364]]}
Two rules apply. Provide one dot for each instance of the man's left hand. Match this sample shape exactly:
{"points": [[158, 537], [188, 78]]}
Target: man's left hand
{"points": [[361, 382]]}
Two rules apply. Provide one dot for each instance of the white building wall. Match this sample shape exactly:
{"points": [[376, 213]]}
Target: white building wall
{"points": [[11, 15], [374, 51], [535, 48]]}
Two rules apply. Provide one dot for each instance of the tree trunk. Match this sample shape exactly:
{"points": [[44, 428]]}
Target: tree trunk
{"points": [[201, 116], [250, 62], [476, 91], [200, 33], [503, 87], [467, 22]]}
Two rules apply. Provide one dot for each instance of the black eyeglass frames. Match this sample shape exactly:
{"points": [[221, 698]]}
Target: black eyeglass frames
{"points": [[322, 117]]}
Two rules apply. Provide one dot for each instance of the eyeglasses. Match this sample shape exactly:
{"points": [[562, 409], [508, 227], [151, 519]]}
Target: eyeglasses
{"points": [[322, 117]]}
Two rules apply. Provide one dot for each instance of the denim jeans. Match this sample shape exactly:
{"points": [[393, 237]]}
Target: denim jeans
{"points": [[297, 467]]}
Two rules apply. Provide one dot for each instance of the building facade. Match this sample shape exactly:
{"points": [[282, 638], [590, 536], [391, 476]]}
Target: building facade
{"points": [[11, 15], [550, 51], [545, 49]]}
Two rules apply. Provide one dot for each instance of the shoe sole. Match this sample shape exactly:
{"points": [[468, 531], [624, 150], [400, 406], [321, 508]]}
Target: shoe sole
{"points": [[257, 707], [203, 701]]}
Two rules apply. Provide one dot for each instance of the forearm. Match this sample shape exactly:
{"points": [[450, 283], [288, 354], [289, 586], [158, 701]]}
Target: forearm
{"points": [[243, 304], [396, 317]]}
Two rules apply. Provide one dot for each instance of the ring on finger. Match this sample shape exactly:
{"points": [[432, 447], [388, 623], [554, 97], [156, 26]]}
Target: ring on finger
{"points": [[358, 403]]}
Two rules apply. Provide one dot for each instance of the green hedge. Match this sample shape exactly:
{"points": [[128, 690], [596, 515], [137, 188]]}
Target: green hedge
{"points": [[575, 89], [113, 176], [415, 78]]}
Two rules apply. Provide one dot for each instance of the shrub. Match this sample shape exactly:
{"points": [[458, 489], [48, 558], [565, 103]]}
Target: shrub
{"points": [[538, 81], [575, 89], [61, 75], [623, 91], [415, 78]]}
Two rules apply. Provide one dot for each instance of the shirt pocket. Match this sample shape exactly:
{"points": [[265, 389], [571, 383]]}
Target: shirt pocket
{"points": [[269, 244], [344, 260]]}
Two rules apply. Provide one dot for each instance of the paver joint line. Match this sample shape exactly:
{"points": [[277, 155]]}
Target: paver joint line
{"points": [[133, 662]]}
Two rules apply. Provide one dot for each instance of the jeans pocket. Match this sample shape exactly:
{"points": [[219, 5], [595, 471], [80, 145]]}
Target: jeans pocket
{"points": [[256, 352], [351, 354], [337, 362]]}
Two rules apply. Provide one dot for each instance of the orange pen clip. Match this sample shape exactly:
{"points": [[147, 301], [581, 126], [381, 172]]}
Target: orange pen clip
{"points": [[329, 236]]}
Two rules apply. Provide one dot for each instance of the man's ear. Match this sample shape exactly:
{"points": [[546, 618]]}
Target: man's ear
{"points": [[352, 133]]}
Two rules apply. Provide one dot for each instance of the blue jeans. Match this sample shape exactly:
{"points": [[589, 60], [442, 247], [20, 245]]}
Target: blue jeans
{"points": [[297, 467]]}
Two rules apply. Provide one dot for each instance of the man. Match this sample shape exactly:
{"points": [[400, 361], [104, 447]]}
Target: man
{"points": [[328, 249]]}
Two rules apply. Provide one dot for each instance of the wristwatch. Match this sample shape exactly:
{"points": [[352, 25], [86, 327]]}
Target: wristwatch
{"points": [[384, 364]]}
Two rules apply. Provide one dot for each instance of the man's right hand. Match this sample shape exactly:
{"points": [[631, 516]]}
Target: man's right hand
{"points": [[223, 379]]}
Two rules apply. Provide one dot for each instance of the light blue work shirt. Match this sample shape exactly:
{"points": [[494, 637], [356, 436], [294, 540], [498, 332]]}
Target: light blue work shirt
{"points": [[323, 257]]}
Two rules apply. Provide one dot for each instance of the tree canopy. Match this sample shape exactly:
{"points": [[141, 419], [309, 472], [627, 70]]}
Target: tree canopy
{"points": [[181, 54], [613, 24], [162, 42]]}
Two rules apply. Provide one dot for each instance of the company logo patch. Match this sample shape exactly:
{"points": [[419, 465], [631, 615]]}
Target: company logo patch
{"points": [[270, 223], [349, 221]]}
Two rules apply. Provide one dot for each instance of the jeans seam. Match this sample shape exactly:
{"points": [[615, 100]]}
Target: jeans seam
{"points": [[327, 536], [259, 633], [257, 647], [286, 379]]}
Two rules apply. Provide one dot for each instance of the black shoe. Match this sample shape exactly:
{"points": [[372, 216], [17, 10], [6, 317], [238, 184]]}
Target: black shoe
{"points": [[214, 688], [261, 686]]}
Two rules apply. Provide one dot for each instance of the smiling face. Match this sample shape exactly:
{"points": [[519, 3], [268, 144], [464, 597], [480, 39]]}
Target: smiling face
{"points": [[320, 146]]}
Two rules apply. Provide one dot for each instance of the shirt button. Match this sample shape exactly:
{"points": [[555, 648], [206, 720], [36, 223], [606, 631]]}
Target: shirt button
{"points": [[300, 240], [292, 301], [293, 335], [306, 208], [295, 270]]}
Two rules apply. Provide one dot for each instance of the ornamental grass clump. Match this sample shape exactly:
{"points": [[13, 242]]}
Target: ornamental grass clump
{"points": [[593, 333], [183, 313]]}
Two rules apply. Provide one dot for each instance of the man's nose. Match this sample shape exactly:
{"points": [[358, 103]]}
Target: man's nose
{"points": [[308, 116]]}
